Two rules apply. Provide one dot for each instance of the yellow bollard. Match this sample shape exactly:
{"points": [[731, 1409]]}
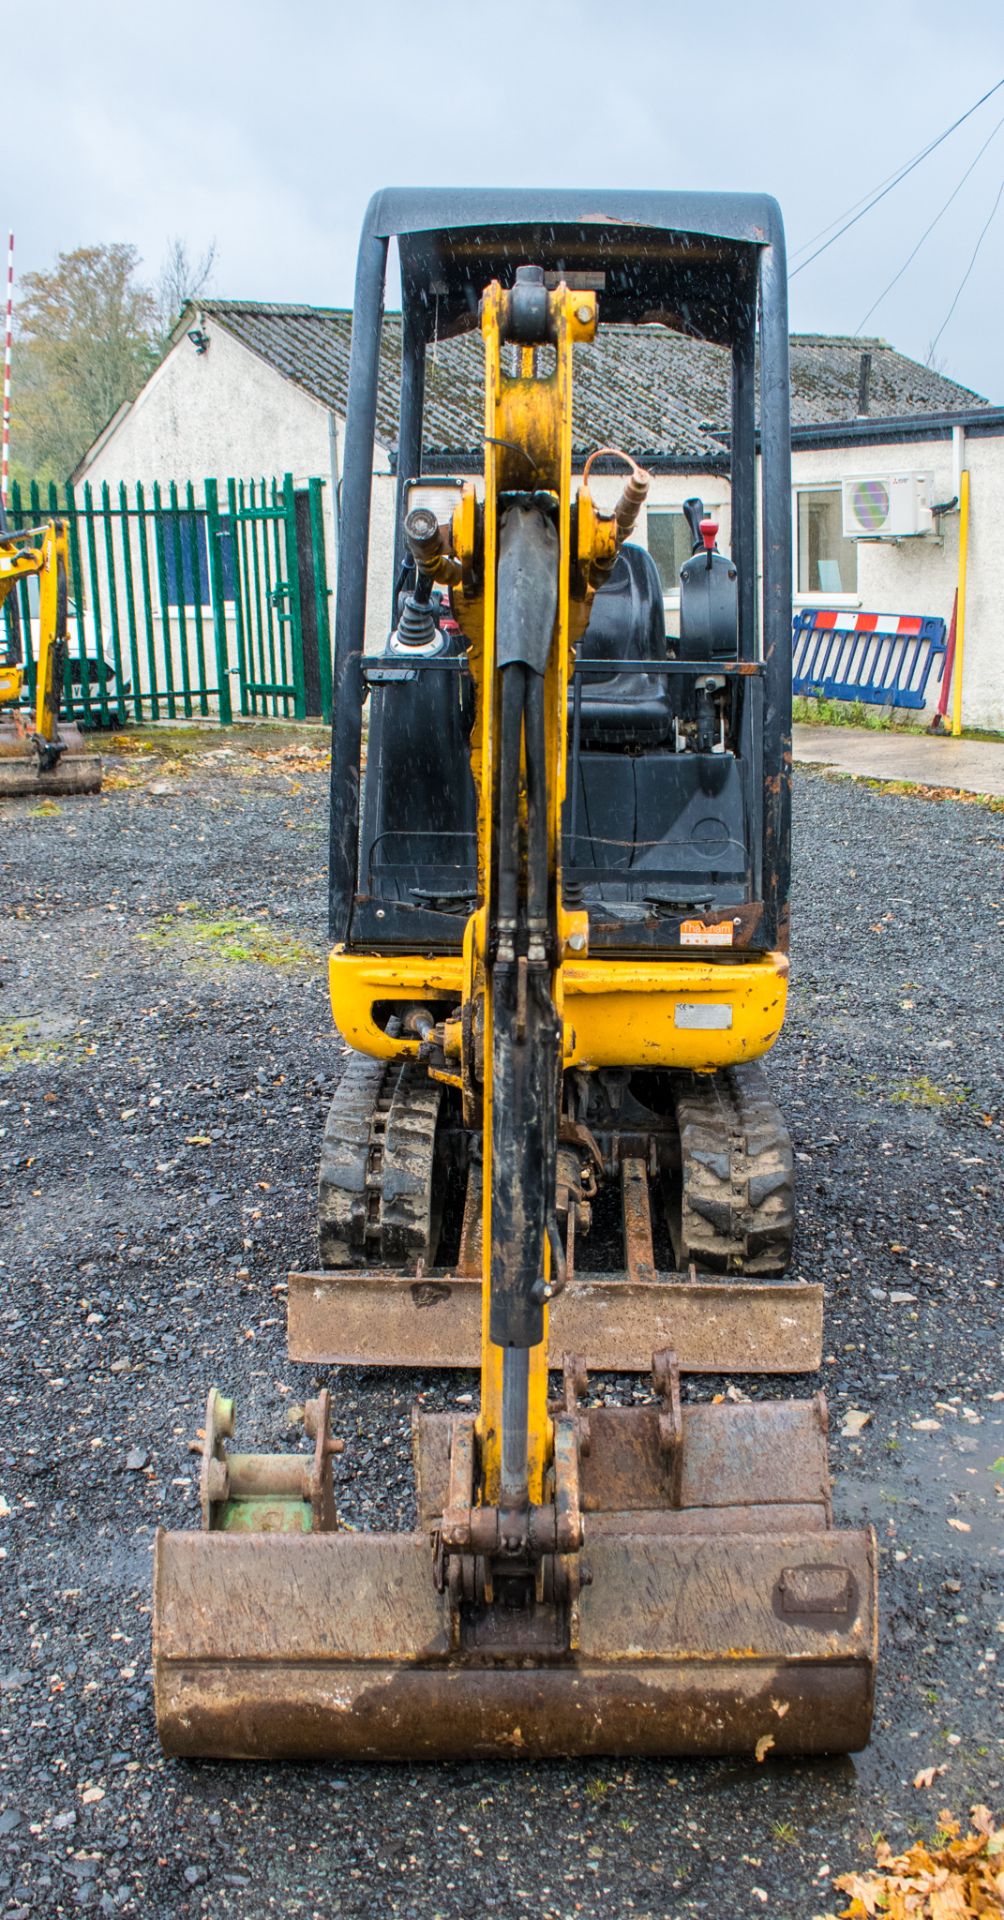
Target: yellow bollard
{"points": [[960, 618]]}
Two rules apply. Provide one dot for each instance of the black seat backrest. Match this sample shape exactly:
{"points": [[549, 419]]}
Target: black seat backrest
{"points": [[627, 622]]}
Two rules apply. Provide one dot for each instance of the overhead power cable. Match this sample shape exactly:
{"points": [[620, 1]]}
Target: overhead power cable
{"points": [[930, 228], [983, 233], [892, 182]]}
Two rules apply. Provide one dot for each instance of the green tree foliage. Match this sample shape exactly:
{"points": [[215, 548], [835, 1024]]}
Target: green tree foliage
{"points": [[87, 337]]}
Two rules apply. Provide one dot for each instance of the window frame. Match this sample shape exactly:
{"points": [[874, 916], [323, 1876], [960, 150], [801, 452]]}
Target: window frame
{"points": [[815, 597], [713, 508], [197, 555]]}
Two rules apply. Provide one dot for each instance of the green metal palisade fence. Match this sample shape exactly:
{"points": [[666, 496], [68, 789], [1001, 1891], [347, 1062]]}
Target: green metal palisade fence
{"points": [[186, 605]]}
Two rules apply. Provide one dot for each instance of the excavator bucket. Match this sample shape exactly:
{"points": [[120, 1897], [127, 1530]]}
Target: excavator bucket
{"points": [[23, 770], [717, 1610]]}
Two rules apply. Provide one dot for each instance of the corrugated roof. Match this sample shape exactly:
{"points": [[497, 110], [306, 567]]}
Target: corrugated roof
{"points": [[657, 392]]}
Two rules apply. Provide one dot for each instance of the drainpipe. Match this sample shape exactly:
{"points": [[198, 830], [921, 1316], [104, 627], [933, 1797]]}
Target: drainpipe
{"points": [[958, 459]]}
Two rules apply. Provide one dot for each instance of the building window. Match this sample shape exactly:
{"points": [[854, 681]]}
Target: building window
{"points": [[192, 588], [827, 563], [669, 544]]}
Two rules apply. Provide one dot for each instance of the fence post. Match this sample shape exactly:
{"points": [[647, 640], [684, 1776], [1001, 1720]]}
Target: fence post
{"points": [[293, 583], [240, 569], [213, 536], [321, 596], [130, 592], [113, 605]]}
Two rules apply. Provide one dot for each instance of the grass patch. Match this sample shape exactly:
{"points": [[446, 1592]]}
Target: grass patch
{"points": [[925, 1092], [25, 1043], [816, 710], [232, 940], [915, 791], [45, 810]]}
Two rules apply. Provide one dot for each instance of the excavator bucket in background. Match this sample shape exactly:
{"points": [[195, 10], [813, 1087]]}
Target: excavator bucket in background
{"points": [[658, 1578], [39, 753]]}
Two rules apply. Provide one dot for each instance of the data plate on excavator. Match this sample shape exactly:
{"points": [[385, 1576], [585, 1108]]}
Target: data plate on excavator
{"points": [[375, 1318], [719, 1612]]}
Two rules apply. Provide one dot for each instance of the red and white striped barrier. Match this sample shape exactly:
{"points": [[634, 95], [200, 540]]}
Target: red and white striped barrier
{"points": [[902, 623]]}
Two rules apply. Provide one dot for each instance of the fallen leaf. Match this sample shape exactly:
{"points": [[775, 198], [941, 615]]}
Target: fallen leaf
{"points": [[763, 1746], [948, 1878], [854, 1422], [198, 1140], [928, 1775]]}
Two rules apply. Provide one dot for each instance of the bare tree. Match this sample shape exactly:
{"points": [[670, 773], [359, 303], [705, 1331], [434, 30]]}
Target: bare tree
{"points": [[181, 279]]}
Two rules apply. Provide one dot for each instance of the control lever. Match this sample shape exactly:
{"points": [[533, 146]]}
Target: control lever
{"points": [[693, 510]]}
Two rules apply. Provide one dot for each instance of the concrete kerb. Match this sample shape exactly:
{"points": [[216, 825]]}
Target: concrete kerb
{"points": [[923, 760]]}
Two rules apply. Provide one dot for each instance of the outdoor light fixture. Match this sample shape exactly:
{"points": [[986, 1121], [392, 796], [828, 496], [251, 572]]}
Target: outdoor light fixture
{"points": [[199, 340]]}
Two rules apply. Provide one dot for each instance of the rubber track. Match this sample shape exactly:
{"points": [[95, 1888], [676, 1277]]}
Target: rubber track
{"points": [[374, 1189], [738, 1195]]}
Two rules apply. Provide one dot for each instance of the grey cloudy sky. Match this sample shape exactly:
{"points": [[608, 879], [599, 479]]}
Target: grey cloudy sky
{"points": [[266, 128]]}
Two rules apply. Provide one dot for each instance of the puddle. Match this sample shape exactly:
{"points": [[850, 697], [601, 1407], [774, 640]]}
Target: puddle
{"points": [[930, 1479]]}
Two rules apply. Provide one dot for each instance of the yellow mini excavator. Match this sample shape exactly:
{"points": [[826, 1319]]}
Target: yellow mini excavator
{"points": [[558, 905], [38, 752]]}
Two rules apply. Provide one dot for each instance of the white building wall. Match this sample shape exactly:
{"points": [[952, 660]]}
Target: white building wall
{"points": [[920, 574], [226, 413]]}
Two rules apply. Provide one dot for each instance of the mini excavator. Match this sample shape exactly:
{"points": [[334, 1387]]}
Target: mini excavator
{"points": [[38, 752], [559, 912]]}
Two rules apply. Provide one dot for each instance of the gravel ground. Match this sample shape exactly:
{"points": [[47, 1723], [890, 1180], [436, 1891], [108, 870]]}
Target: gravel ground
{"points": [[163, 1084]]}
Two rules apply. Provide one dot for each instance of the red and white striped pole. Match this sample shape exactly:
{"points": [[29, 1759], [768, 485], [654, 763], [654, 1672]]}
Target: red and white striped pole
{"points": [[7, 349]]}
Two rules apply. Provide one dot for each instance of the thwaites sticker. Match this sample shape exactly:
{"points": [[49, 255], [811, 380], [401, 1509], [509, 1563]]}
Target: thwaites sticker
{"points": [[694, 933]]}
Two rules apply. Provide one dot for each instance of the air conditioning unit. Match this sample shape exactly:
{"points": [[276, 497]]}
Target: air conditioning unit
{"points": [[887, 506]]}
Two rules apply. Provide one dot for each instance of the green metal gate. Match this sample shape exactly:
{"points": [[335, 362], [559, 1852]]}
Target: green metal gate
{"points": [[187, 604]]}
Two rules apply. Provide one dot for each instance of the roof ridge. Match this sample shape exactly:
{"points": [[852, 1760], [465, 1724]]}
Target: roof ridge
{"points": [[222, 305]]}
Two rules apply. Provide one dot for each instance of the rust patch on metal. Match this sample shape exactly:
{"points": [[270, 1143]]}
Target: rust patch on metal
{"points": [[430, 1293]]}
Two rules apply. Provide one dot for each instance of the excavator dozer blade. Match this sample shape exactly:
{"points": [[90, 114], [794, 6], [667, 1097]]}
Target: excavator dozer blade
{"points": [[372, 1317], [339, 1646], [718, 1609], [75, 772]]}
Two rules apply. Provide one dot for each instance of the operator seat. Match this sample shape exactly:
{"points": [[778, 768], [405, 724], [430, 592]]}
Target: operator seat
{"points": [[630, 708]]}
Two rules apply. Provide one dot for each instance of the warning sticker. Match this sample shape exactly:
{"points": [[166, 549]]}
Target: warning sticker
{"points": [[694, 933]]}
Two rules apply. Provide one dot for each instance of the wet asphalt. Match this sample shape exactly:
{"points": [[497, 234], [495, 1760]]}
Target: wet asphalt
{"points": [[161, 1100]]}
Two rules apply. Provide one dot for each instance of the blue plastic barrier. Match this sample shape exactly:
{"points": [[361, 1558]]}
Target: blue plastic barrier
{"points": [[883, 659]]}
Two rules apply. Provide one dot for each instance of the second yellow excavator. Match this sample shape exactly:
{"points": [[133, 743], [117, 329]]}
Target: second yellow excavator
{"points": [[39, 753]]}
